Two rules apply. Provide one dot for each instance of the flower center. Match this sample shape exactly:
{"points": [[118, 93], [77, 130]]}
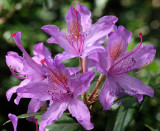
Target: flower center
{"points": [[125, 64], [58, 84]]}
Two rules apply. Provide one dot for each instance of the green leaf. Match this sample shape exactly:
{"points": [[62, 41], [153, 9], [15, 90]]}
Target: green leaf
{"points": [[125, 114], [151, 129], [126, 97], [91, 88], [157, 86], [24, 116], [97, 106], [118, 120], [144, 103], [111, 120], [65, 123]]}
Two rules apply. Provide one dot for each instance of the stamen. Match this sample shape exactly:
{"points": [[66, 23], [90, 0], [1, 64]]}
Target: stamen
{"points": [[58, 97], [18, 75], [140, 68]]}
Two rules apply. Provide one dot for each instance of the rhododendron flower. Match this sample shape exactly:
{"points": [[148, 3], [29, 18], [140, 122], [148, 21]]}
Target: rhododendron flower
{"points": [[83, 38], [14, 120], [115, 63], [62, 90], [26, 68]]}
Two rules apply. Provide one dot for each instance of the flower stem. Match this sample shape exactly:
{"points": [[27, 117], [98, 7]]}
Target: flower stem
{"points": [[84, 65], [100, 79], [84, 70], [81, 66]]}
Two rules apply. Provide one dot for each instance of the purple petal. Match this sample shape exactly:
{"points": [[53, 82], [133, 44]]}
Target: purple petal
{"points": [[119, 92], [65, 55], [52, 40], [139, 97], [89, 65], [14, 120], [91, 49], [99, 60], [14, 61], [12, 90], [106, 96], [73, 21], [56, 66], [32, 71], [82, 83], [17, 100], [100, 30], [134, 86], [52, 114], [80, 111], [40, 52], [34, 106], [86, 21], [60, 37], [35, 90], [73, 70], [118, 42]]}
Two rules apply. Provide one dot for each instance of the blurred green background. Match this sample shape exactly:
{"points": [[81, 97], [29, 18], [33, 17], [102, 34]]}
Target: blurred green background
{"points": [[28, 16]]}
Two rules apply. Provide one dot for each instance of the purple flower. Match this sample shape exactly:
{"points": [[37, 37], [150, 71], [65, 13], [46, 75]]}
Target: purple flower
{"points": [[115, 63], [62, 90], [27, 68], [14, 120], [83, 38]]}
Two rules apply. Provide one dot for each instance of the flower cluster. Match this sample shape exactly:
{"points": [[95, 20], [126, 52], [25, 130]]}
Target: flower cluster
{"points": [[46, 79]]}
